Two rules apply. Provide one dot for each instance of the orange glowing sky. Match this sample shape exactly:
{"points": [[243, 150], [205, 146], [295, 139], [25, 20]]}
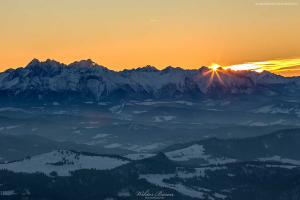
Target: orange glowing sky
{"points": [[128, 34]]}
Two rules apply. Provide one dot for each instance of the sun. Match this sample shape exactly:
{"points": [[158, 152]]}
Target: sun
{"points": [[214, 66]]}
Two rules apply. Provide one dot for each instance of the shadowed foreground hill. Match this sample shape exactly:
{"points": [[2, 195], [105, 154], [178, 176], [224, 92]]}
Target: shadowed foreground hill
{"points": [[21, 146], [284, 143]]}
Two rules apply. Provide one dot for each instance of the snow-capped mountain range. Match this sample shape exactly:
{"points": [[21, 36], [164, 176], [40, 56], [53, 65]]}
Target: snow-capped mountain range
{"points": [[89, 81]]}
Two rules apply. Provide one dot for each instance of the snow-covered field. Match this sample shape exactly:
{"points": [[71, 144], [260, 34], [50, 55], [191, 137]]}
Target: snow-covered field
{"points": [[100, 136], [62, 162], [138, 156], [280, 159], [151, 103], [12, 109], [157, 179], [138, 112], [192, 152], [135, 147], [163, 118], [113, 145], [61, 112], [196, 152], [273, 110]]}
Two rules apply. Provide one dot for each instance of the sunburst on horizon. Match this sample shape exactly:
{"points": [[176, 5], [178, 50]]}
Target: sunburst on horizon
{"points": [[214, 71], [274, 66]]}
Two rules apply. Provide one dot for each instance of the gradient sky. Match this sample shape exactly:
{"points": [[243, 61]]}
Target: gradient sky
{"points": [[133, 33]]}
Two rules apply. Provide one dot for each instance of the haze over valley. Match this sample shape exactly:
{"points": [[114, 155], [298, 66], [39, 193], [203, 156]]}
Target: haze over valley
{"points": [[175, 129]]}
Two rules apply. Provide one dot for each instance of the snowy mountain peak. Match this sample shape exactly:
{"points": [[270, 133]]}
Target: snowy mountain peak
{"points": [[204, 68], [172, 69], [147, 68], [34, 62], [85, 80], [10, 70], [85, 64], [52, 62]]}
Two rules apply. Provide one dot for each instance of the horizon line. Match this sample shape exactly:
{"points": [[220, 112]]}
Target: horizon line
{"points": [[209, 67]]}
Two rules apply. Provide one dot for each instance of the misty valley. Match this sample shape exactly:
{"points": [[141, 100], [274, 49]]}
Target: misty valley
{"points": [[82, 131]]}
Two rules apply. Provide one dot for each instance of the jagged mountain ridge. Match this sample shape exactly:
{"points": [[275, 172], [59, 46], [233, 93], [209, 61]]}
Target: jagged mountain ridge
{"points": [[87, 80]]}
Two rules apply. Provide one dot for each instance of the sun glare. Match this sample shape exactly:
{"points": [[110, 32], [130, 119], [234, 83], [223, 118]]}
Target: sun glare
{"points": [[270, 65], [214, 66], [273, 66]]}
